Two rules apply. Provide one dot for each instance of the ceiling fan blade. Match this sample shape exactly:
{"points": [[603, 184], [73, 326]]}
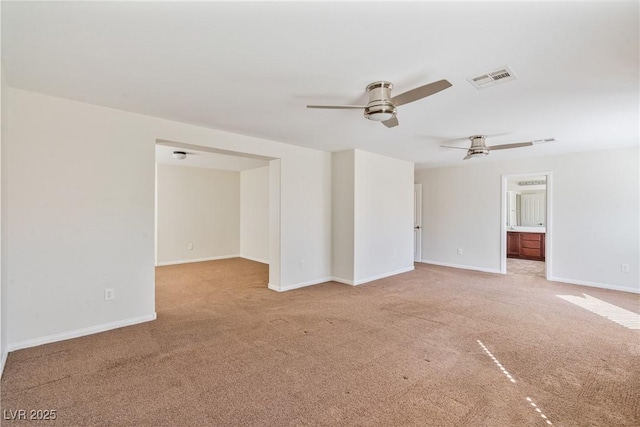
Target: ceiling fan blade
{"points": [[338, 107], [392, 122], [506, 146], [420, 92], [459, 148], [468, 156]]}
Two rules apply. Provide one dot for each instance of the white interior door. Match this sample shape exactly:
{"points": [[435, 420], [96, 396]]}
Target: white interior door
{"points": [[532, 209], [417, 222]]}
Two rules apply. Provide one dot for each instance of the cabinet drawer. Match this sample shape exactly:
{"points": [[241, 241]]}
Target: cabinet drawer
{"points": [[531, 237], [531, 244], [531, 252]]}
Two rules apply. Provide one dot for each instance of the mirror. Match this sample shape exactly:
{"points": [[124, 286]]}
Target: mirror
{"points": [[526, 202]]}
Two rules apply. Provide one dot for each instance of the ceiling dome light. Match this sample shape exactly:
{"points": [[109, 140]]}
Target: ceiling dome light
{"points": [[180, 155]]}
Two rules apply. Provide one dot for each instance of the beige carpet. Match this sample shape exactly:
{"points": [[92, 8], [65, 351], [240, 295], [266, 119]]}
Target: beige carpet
{"points": [[432, 347]]}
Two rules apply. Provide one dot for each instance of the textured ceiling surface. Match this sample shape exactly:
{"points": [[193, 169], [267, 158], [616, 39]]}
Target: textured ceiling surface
{"points": [[252, 67]]}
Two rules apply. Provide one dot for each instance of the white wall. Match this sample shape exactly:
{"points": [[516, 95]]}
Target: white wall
{"points": [[343, 228], [81, 219], [372, 216], [306, 191], [275, 219], [4, 142], [197, 206], [81, 214], [383, 216], [595, 199], [254, 214]]}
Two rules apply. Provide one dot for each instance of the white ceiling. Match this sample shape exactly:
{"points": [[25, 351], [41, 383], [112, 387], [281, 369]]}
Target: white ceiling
{"points": [[252, 67]]}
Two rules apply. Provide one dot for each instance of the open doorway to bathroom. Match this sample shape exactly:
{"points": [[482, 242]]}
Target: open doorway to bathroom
{"points": [[526, 224]]}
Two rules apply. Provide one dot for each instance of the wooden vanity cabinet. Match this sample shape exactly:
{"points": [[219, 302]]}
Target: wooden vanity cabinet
{"points": [[525, 245], [513, 245]]}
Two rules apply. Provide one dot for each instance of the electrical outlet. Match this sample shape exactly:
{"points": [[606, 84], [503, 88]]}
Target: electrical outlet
{"points": [[109, 294], [190, 246], [459, 251], [624, 268]]}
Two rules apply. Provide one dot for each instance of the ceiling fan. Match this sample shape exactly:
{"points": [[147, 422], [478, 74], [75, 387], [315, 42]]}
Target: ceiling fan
{"points": [[382, 107], [479, 148]]}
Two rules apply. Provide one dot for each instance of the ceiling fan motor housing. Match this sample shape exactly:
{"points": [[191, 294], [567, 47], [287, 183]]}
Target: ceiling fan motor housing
{"points": [[380, 107], [478, 147]]}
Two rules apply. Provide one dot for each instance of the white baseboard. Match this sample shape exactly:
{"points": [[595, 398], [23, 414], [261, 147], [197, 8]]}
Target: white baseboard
{"points": [[343, 281], [81, 332], [463, 267], [250, 258], [553, 279], [594, 285], [339, 280], [3, 361], [382, 276], [372, 278], [298, 285], [186, 261]]}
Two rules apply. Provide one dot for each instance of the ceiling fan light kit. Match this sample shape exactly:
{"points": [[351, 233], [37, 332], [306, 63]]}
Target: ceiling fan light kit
{"points": [[380, 112], [477, 153]]}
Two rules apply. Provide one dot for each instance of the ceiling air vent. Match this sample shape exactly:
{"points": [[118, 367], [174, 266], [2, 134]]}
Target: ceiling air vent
{"points": [[501, 75]]}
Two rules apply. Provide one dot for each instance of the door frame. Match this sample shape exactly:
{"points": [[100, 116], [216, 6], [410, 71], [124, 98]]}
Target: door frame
{"points": [[548, 258], [417, 222]]}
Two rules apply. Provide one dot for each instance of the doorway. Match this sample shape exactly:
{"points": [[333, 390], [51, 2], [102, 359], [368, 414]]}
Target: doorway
{"points": [[526, 224], [204, 212]]}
